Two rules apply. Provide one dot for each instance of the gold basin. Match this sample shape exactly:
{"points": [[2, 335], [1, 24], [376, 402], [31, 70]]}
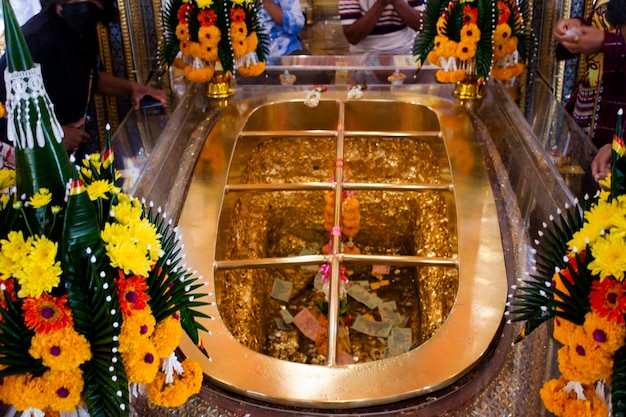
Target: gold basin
{"points": [[256, 199]]}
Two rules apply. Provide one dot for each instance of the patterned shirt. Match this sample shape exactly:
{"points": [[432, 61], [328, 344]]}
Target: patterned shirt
{"points": [[283, 39], [390, 34]]}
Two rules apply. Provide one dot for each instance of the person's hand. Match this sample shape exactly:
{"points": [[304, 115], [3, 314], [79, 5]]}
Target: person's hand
{"points": [[563, 26], [580, 39], [601, 164], [73, 136], [139, 91]]}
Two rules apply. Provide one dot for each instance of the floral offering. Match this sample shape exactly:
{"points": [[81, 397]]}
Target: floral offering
{"points": [[94, 297], [473, 39], [205, 36], [579, 285]]}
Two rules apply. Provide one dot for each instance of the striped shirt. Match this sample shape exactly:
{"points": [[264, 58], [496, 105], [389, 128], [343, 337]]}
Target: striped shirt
{"points": [[390, 34]]}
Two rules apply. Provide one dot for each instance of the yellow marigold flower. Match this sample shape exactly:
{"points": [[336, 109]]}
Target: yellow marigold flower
{"points": [[166, 336], [13, 253], [43, 251], [62, 350], [14, 246], [609, 335], [146, 235], [63, 389], [252, 42], [99, 189], [41, 198], [609, 254], [126, 212], [130, 258], [141, 364], [2, 110], [7, 178], [502, 33], [36, 279], [204, 4], [238, 2], [184, 386], [466, 50], [470, 33], [4, 200], [24, 391]]}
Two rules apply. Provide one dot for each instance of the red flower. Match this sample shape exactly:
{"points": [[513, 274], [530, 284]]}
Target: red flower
{"points": [[237, 15], [470, 15], [9, 288], [503, 12], [608, 300], [207, 18], [131, 293], [47, 313], [183, 13]]}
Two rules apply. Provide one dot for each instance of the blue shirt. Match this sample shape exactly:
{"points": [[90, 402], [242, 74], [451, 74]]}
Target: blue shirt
{"points": [[283, 39]]}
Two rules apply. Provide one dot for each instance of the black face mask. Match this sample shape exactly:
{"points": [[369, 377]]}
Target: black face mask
{"points": [[82, 17]]}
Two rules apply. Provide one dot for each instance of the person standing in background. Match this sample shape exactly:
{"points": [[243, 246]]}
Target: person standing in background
{"points": [[62, 39], [282, 21], [601, 91], [384, 26]]}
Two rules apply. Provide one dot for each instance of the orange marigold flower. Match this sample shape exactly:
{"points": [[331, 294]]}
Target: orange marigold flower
{"points": [[238, 31], [131, 293], [608, 299], [465, 50], [182, 33], [470, 15], [237, 14], [209, 35], [207, 18], [239, 48], [47, 313]]}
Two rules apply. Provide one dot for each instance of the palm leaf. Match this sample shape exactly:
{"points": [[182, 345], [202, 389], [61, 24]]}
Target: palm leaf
{"points": [[535, 302], [225, 49], [15, 342], [170, 46], [425, 42], [487, 15], [525, 38], [618, 386], [172, 288]]}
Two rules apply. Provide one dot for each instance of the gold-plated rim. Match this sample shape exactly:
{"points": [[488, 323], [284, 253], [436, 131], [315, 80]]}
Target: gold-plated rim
{"points": [[463, 339]]}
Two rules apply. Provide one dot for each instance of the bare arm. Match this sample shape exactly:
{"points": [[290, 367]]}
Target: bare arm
{"points": [[410, 16], [110, 85], [363, 26], [274, 10]]}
